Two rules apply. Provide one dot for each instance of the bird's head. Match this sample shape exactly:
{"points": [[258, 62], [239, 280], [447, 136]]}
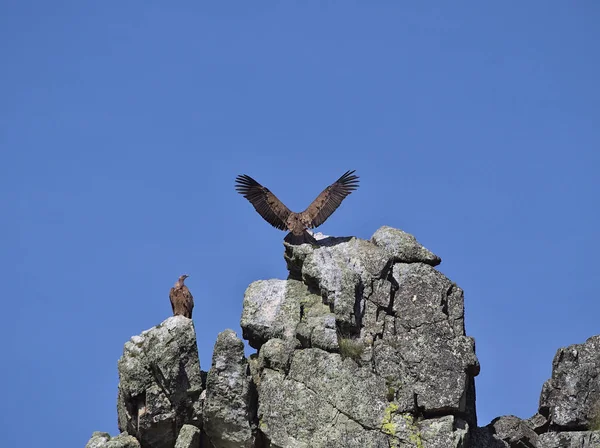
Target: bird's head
{"points": [[182, 279]]}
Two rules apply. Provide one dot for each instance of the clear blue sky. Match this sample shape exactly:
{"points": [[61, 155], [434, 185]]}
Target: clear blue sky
{"points": [[473, 126]]}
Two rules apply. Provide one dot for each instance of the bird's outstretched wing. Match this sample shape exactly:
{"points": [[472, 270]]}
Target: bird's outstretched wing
{"points": [[330, 199], [265, 202]]}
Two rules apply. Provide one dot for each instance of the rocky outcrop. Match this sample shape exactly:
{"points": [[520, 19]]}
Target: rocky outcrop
{"points": [[569, 407], [363, 345], [160, 383], [571, 398]]}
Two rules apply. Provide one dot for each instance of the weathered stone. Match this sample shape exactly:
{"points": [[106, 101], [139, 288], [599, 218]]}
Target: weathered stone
{"points": [[104, 440], [317, 327], [484, 437], [571, 439], [160, 383], [399, 332], [271, 309], [355, 391], [425, 296], [403, 247], [294, 416], [538, 423], [324, 334], [98, 440], [343, 273], [383, 291], [275, 354], [229, 409], [435, 371], [443, 432], [189, 437], [571, 397], [514, 431]]}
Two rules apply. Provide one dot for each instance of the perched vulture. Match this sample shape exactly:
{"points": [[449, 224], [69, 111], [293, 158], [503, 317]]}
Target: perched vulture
{"points": [[182, 301], [281, 217]]}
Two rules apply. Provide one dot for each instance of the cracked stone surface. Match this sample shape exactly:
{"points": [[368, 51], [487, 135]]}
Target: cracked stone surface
{"points": [[570, 399], [292, 415], [271, 309], [361, 328], [229, 407], [160, 383], [355, 391]]}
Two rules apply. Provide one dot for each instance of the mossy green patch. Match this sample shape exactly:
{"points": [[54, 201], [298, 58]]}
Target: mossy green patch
{"points": [[351, 348]]}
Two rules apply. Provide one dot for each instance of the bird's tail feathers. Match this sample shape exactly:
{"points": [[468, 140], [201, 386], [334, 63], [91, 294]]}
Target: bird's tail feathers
{"points": [[296, 240]]}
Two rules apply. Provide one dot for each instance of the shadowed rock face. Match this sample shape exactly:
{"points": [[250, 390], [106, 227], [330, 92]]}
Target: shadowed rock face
{"points": [[160, 383], [362, 346]]}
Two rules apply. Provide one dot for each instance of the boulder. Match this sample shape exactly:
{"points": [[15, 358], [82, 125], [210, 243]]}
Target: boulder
{"points": [[403, 247], [570, 399], [514, 431], [160, 383], [271, 309], [230, 404]]}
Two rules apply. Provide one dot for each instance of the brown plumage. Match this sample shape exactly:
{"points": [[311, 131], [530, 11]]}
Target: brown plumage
{"points": [[182, 301], [281, 217]]}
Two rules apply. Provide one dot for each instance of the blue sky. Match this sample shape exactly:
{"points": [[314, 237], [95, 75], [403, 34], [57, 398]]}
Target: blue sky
{"points": [[473, 126]]}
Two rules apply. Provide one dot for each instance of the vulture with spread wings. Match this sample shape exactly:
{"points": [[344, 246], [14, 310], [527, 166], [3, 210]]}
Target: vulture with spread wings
{"points": [[281, 217]]}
